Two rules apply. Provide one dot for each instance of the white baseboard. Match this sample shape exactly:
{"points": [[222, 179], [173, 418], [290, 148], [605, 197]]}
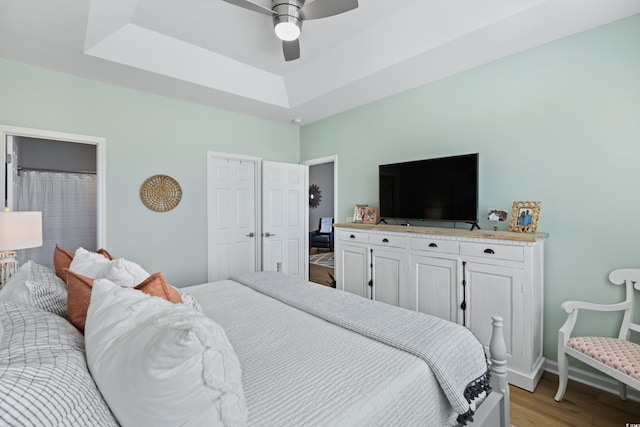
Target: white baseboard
{"points": [[601, 382]]}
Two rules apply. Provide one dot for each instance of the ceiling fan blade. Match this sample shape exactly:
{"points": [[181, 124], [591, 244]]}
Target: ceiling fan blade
{"points": [[291, 50], [323, 8], [251, 5]]}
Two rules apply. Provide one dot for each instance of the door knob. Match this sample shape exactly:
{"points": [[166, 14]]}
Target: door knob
{"points": [[267, 234], [250, 234]]}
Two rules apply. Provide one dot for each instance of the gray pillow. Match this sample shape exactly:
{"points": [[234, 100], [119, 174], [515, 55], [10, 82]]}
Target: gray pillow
{"points": [[35, 284], [45, 379]]}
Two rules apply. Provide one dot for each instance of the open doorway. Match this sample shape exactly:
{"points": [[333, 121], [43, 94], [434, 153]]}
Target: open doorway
{"points": [[60, 175], [322, 215]]}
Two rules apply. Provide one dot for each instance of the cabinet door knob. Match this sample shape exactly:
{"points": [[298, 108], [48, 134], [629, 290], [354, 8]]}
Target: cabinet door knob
{"points": [[433, 245], [489, 251], [352, 237], [385, 240]]}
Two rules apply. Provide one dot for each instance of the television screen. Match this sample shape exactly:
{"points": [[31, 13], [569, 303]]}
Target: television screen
{"points": [[441, 189]]}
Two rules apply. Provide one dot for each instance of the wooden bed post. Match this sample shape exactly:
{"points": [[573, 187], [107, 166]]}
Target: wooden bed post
{"points": [[498, 352]]}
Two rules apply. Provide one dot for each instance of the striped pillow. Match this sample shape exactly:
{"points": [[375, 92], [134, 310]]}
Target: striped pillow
{"points": [[47, 290], [45, 379], [37, 285]]}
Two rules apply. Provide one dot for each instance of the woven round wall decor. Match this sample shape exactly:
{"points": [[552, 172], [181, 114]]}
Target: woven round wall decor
{"points": [[160, 193]]}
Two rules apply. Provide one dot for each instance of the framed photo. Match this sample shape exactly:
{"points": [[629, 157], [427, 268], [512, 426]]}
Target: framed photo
{"points": [[358, 213], [371, 215], [497, 215], [525, 216]]}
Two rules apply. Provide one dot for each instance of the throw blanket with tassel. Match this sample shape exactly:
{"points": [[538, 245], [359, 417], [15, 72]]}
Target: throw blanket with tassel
{"points": [[453, 353]]}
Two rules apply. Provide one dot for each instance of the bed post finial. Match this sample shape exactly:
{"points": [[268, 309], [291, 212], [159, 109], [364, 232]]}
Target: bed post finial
{"points": [[498, 352]]}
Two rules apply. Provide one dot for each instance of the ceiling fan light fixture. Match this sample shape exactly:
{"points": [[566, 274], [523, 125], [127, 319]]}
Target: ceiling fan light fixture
{"points": [[288, 28]]}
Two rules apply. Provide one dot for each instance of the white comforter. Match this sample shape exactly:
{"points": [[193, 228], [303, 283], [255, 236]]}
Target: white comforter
{"points": [[300, 370]]}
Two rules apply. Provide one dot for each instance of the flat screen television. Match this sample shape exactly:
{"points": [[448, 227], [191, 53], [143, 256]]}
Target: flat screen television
{"points": [[440, 189]]}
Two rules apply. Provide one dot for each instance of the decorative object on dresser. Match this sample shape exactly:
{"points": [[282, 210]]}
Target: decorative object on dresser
{"points": [[160, 193], [314, 196], [525, 216], [459, 275], [497, 215], [18, 230], [618, 357], [358, 213], [370, 215]]}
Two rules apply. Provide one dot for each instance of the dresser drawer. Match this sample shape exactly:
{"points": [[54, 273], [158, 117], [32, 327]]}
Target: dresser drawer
{"points": [[391, 240], [488, 250], [353, 236], [448, 246]]}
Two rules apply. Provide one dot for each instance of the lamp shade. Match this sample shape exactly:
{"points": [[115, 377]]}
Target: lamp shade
{"points": [[20, 230]]}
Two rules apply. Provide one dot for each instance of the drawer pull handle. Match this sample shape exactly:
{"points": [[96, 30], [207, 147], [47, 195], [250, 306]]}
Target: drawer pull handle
{"points": [[385, 240], [489, 251], [433, 245], [352, 237]]}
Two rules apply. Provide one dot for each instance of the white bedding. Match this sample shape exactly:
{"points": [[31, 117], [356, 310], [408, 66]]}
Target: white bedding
{"points": [[301, 370]]}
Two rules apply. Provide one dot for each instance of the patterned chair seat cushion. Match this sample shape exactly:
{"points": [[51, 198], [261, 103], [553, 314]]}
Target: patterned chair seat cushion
{"points": [[621, 355]]}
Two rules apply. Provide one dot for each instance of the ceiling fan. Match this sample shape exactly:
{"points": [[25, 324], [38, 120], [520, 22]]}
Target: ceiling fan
{"points": [[288, 16]]}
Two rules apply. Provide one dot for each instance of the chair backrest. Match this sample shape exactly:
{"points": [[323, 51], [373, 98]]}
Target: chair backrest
{"points": [[326, 225], [630, 277]]}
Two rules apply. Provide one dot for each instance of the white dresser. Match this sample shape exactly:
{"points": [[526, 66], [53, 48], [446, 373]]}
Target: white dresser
{"points": [[462, 276]]}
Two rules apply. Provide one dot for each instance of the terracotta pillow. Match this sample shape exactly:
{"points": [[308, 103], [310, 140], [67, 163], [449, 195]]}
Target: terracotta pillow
{"points": [[78, 298], [79, 294], [105, 254], [155, 285], [61, 260]]}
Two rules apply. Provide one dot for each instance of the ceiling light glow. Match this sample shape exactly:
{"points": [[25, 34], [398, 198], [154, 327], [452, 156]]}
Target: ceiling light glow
{"points": [[287, 31]]}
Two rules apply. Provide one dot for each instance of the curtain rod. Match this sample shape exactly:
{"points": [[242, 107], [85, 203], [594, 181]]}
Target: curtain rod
{"points": [[21, 169]]}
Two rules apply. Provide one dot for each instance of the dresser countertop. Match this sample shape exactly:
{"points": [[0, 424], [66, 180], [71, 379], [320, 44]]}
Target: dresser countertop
{"points": [[453, 232]]}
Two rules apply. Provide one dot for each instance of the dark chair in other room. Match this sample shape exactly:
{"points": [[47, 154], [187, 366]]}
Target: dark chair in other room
{"points": [[323, 236]]}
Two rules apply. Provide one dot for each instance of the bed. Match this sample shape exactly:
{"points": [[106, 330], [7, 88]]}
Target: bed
{"points": [[259, 349]]}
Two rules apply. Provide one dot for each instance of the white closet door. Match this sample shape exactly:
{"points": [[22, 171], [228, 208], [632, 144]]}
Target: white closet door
{"points": [[284, 218], [231, 212]]}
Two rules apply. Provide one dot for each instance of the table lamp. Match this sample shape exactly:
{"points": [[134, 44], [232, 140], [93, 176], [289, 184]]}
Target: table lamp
{"points": [[18, 230]]}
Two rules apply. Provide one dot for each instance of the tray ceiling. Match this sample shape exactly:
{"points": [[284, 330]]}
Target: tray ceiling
{"points": [[214, 53]]}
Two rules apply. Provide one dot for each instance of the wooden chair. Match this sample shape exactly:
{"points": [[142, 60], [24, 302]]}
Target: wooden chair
{"points": [[617, 357]]}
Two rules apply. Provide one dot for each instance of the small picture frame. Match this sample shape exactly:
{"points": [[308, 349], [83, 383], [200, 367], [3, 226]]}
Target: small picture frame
{"points": [[497, 215], [358, 213], [525, 217], [371, 215]]}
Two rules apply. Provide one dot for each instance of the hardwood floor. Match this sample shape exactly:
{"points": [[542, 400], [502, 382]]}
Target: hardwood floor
{"points": [[582, 406], [318, 273]]}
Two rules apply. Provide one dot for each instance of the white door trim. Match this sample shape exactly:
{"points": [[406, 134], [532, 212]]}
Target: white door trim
{"points": [[101, 170], [321, 160]]}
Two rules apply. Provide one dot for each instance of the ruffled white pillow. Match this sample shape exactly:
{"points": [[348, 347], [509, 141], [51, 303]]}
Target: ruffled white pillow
{"points": [[161, 364], [90, 264], [125, 273]]}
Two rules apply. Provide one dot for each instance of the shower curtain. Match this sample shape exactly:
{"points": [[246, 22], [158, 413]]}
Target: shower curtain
{"points": [[68, 202]]}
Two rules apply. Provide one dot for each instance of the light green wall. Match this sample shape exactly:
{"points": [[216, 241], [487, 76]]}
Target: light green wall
{"points": [[559, 124], [146, 135]]}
